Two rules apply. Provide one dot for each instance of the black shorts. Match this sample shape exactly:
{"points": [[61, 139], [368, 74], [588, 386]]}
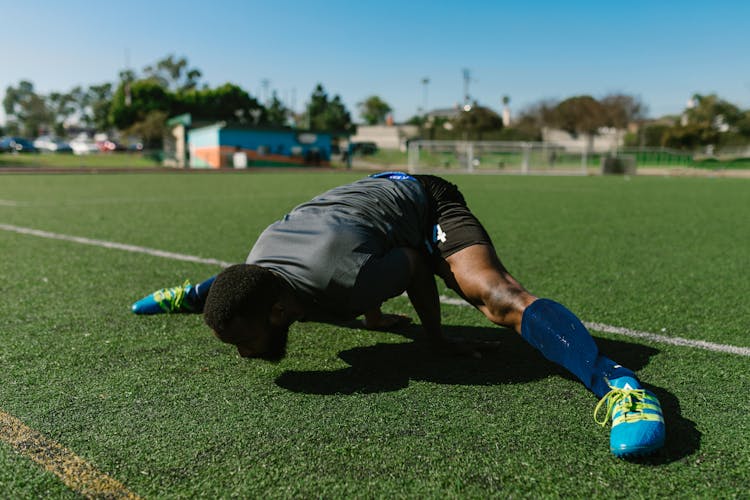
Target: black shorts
{"points": [[454, 227]]}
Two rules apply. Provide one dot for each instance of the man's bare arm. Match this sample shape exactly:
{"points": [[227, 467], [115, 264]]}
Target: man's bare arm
{"points": [[424, 297], [423, 294]]}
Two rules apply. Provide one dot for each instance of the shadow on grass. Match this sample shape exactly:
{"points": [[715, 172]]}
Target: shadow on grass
{"points": [[506, 359], [683, 437]]}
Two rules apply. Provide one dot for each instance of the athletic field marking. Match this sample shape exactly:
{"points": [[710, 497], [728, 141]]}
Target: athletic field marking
{"points": [[111, 244], [77, 474], [654, 337], [627, 332], [699, 344], [8, 203]]}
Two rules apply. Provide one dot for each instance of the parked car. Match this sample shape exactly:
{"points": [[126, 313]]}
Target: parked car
{"points": [[83, 146], [16, 145], [51, 144], [364, 148], [108, 146]]}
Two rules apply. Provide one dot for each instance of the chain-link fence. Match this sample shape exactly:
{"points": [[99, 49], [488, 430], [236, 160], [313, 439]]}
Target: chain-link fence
{"points": [[530, 157], [496, 156]]}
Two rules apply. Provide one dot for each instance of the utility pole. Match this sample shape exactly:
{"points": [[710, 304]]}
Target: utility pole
{"points": [[128, 97], [506, 111], [467, 80], [265, 83], [425, 83]]}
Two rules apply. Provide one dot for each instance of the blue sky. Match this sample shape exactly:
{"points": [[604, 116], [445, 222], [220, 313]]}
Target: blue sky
{"points": [[663, 51]]}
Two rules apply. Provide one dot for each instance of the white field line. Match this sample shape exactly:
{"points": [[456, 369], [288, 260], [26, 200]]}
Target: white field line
{"points": [[655, 337], [77, 474], [113, 245], [8, 203], [627, 332]]}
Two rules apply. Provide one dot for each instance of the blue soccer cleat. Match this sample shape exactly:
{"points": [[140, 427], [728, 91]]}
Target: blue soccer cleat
{"points": [[166, 300], [637, 420]]}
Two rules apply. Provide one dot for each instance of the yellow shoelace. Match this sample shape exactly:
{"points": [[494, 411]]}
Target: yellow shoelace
{"points": [[632, 399], [170, 299]]}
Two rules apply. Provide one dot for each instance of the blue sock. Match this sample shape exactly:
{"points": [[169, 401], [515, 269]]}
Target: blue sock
{"points": [[561, 337], [196, 297]]}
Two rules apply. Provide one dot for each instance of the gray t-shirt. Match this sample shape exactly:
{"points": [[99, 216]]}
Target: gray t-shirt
{"points": [[337, 251]]}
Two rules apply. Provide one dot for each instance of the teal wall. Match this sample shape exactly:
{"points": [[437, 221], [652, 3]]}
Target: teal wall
{"points": [[278, 142]]}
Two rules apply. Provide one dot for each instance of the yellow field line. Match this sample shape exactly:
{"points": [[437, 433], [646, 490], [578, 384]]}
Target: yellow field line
{"points": [[77, 474]]}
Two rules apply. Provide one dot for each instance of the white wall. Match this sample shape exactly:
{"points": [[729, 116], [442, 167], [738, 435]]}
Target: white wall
{"points": [[606, 140], [384, 136]]}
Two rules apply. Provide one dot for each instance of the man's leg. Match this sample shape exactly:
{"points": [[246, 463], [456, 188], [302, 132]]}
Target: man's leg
{"points": [[477, 274], [186, 298]]}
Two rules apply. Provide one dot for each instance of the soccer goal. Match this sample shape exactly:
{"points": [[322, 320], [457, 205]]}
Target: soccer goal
{"points": [[497, 157]]}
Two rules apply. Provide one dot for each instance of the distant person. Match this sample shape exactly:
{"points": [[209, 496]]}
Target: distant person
{"points": [[348, 250], [346, 157], [552, 158]]}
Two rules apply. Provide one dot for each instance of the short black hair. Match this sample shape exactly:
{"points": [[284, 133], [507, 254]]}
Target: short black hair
{"points": [[240, 291]]}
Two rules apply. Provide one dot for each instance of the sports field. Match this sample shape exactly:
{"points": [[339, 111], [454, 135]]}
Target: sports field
{"points": [[119, 405]]}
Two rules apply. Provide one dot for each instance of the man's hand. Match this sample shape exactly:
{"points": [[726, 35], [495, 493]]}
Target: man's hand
{"points": [[376, 320]]}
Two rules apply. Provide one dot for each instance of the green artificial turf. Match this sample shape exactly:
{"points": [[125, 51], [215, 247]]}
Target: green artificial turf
{"points": [[163, 407], [69, 160]]}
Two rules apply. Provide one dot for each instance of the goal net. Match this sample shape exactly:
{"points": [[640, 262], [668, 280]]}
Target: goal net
{"points": [[497, 157]]}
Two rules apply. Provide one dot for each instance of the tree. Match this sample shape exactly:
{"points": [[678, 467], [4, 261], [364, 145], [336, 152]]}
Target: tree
{"points": [[174, 74], [708, 120], [99, 101], [476, 120], [580, 115], [151, 129], [325, 114], [374, 110], [710, 111], [276, 112], [62, 106], [743, 125], [133, 101], [537, 116], [135, 104], [652, 135], [689, 137], [317, 106], [337, 117], [622, 110], [27, 112], [227, 102]]}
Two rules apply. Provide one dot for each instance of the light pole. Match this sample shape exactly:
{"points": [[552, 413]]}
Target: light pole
{"points": [[265, 83], [467, 80], [506, 111], [425, 83]]}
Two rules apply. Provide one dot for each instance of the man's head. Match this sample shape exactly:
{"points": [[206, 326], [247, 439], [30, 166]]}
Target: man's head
{"points": [[243, 308]]}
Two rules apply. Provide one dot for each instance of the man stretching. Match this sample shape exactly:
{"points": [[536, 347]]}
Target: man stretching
{"points": [[350, 249]]}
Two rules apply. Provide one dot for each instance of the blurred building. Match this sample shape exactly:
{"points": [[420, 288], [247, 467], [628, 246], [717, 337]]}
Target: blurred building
{"points": [[607, 139], [221, 144], [444, 113], [386, 136]]}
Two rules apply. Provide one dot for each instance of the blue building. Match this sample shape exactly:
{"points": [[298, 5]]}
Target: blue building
{"points": [[215, 146]]}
